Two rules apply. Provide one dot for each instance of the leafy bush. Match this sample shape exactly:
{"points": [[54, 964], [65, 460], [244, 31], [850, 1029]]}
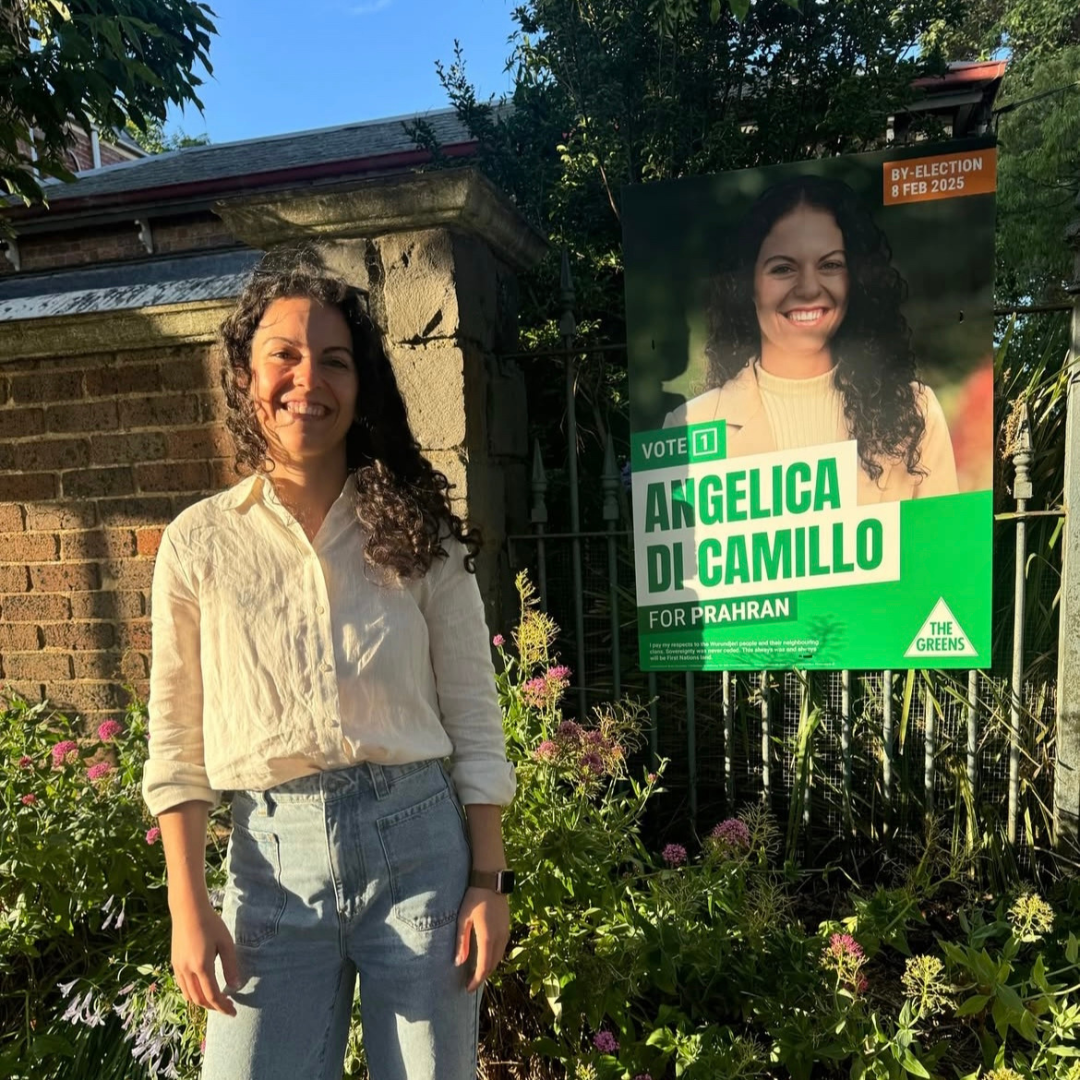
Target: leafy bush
{"points": [[629, 959]]}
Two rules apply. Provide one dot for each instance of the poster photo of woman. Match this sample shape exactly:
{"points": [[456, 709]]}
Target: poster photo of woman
{"points": [[793, 304], [810, 355]]}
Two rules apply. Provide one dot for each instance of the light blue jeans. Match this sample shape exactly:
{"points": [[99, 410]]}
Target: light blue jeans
{"points": [[358, 870]]}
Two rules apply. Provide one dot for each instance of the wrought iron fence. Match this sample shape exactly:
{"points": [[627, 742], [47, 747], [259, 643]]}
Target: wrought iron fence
{"points": [[855, 762]]}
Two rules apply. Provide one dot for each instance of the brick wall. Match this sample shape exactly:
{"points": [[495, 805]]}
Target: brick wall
{"points": [[66, 249], [97, 454]]}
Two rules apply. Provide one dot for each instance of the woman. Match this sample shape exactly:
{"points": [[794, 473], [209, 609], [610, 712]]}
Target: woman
{"points": [[808, 345], [318, 647]]}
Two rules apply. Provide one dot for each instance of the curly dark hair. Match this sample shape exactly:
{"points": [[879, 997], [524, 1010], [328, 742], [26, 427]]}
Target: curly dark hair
{"points": [[875, 364], [403, 501]]}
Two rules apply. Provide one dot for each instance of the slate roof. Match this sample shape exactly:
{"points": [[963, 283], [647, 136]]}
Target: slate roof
{"points": [[125, 286], [250, 157]]}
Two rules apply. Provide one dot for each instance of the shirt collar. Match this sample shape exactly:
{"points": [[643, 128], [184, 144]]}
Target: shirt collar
{"points": [[248, 490]]}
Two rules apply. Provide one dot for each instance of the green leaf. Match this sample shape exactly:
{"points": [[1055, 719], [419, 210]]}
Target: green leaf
{"points": [[913, 1065], [973, 1005], [716, 9], [739, 8]]}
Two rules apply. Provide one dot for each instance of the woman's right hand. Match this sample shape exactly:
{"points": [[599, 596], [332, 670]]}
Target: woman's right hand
{"points": [[199, 937]]}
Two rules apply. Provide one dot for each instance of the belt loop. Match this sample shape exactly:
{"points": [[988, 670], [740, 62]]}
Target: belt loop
{"points": [[264, 804], [378, 780]]}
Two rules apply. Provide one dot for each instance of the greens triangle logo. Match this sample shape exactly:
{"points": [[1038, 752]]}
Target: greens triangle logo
{"points": [[940, 635]]}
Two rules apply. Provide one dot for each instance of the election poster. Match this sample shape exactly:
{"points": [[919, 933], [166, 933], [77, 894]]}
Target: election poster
{"points": [[811, 405]]}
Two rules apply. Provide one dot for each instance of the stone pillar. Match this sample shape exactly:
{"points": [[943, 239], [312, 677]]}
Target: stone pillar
{"points": [[437, 254]]}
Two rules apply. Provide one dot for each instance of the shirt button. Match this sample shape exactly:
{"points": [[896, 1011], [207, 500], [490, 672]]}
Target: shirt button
{"points": [[327, 667], [320, 610]]}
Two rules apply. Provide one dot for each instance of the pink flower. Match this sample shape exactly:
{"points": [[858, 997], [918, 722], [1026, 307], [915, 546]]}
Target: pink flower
{"points": [[498, 641], [862, 985], [202, 1047], [26, 762], [99, 771], [547, 751], [569, 730], [153, 835], [594, 737], [109, 729], [643, 1076], [535, 692], [605, 1042], [65, 752], [845, 946], [592, 762], [560, 672], [652, 778], [674, 854], [28, 800], [732, 833]]}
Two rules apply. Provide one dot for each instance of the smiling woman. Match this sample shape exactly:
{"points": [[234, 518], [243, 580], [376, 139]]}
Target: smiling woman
{"points": [[319, 650], [808, 344]]}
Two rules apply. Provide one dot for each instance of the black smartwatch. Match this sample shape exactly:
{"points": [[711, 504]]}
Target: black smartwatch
{"points": [[498, 881]]}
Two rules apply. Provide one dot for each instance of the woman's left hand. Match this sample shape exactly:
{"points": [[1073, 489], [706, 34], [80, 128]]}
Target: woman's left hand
{"points": [[486, 915]]}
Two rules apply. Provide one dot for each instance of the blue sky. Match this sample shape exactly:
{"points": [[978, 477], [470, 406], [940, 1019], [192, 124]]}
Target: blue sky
{"points": [[290, 65]]}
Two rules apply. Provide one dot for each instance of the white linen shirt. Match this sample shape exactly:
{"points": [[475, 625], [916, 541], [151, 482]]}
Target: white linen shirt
{"points": [[276, 657]]}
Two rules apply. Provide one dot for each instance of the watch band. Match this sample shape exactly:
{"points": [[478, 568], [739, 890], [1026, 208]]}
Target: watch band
{"points": [[498, 881]]}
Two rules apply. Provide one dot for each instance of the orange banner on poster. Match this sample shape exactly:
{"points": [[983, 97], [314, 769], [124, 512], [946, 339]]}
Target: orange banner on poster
{"points": [[944, 176]]}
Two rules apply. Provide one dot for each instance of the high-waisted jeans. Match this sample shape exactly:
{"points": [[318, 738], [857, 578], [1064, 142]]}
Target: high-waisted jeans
{"points": [[358, 870]]}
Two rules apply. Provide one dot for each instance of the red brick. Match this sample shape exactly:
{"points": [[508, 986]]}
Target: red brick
{"points": [[135, 635], [49, 388], [52, 516], [14, 579], [97, 544], [147, 541], [181, 502], [28, 691], [199, 443], [97, 483], [130, 449], [96, 665], [134, 666], [163, 410], [21, 637], [87, 696], [19, 423], [95, 416], [125, 379], [108, 604], [131, 604], [214, 407], [39, 454], [128, 573], [64, 577], [174, 476], [11, 518], [78, 635], [21, 487], [30, 608], [135, 511], [191, 373], [37, 665], [223, 473], [29, 547]]}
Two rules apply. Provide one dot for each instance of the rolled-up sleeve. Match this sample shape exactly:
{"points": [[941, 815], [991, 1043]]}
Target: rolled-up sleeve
{"points": [[175, 771], [465, 683]]}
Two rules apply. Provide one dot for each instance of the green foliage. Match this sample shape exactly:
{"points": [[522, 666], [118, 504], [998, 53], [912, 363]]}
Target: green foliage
{"points": [[628, 962], [155, 140], [98, 62], [699, 958]]}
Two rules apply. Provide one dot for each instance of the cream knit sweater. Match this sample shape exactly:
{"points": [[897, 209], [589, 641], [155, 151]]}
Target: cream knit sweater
{"points": [[802, 412]]}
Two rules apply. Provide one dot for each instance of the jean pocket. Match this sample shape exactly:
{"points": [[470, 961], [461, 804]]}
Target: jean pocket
{"points": [[428, 860], [254, 896]]}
